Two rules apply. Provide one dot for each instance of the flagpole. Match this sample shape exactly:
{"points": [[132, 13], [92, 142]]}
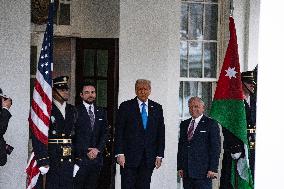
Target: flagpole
{"points": [[231, 7]]}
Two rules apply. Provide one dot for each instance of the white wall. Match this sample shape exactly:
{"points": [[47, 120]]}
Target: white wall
{"points": [[269, 151], [92, 19], [149, 48], [15, 82], [246, 15]]}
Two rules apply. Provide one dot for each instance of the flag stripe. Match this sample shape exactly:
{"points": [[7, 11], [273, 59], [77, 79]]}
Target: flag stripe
{"points": [[225, 112], [42, 116], [39, 123]]}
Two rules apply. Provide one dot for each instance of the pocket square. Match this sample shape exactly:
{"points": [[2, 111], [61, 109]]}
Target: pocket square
{"points": [[203, 131]]}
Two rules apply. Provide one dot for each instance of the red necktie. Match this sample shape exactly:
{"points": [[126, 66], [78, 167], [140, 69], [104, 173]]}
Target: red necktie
{"points": [[190, 130]]}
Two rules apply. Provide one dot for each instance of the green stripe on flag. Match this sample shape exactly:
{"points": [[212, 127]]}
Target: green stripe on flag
{"points": [[231, 115]]}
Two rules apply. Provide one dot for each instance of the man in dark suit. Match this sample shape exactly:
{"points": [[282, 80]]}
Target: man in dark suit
{"points": [[56, 160], [5, 116], [198, 148], [139, 138], [91, 136]]}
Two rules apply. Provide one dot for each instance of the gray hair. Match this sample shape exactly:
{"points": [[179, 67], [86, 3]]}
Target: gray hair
{"points": [[197, 99], [143, 81]]}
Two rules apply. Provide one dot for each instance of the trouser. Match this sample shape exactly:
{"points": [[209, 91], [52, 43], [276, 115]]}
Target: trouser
{"points": [[136, 177], [87, 177], [193, 183]]}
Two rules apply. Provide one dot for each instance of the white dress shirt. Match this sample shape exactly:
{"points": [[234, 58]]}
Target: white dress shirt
{"points": [[196, 121]]}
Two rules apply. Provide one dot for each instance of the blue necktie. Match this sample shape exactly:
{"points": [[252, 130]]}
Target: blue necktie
{"points": [[144, 115]]}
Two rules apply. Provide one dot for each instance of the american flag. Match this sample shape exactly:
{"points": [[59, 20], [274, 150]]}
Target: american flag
{"points": [[42, 98]]}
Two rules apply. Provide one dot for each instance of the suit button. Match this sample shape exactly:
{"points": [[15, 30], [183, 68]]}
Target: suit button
{"points": [[70, 160], [61, 160]]}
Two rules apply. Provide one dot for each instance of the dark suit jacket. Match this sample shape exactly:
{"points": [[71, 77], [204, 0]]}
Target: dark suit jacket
{"points": [[132, 140], [86, 138], [58, 126], [201, 154], [4, 120]]}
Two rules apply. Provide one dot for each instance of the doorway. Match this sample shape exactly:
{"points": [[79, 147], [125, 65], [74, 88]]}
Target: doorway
{"points": [[97, 61]]}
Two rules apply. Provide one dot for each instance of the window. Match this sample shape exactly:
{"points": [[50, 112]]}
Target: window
{"points": [[62, 16], [198, 52]]}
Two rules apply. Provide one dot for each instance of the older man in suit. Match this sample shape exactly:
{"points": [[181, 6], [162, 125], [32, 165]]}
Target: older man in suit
{"points": [[91, 136], [139, 138], [198, 148]]}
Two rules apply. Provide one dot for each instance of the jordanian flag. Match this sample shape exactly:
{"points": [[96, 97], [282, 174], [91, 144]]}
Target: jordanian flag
{"points": [[229, 110]]}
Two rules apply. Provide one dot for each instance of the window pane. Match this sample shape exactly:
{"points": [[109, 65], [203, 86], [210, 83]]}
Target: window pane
{"points": [[102, 62], [190, 89], [210, 59], [195, 59], [184, 21], [195, 21], [183, 59], [89, 59], [206, 94], [64, 17], [101, 99], [211, 22], [181, 99]]}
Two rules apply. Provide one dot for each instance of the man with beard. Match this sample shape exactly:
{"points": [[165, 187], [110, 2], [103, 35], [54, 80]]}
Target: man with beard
{"points": [[91, 136]]}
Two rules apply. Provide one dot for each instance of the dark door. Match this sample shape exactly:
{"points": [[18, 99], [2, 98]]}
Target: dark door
{"points": [[97, 61]]}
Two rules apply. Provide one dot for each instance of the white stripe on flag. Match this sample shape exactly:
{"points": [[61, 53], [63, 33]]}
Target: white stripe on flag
{"points": [[45, 86], [39, 123], [37, 98]]}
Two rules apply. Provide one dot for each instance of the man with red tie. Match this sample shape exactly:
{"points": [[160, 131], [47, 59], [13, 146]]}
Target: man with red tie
{"points": [[198, 148]]}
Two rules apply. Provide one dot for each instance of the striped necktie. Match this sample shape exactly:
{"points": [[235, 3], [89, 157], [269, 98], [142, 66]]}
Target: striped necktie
{"points": [[92, 117], [190, 130]]}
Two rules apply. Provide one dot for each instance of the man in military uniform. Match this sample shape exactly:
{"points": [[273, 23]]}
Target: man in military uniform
{"points": [[249, 84], [233, 146], [57, 160]]}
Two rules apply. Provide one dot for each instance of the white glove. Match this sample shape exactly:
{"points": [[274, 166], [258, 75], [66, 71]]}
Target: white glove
{"points": [[236, 155], [75, 170], [43, 170]]}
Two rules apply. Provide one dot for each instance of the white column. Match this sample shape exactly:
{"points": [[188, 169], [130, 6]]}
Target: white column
{"points": [[15, 82]]}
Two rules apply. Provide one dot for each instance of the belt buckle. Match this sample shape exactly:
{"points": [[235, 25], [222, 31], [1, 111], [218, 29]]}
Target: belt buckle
{"points": [[252, 145], [66, 151], [65, 141]]}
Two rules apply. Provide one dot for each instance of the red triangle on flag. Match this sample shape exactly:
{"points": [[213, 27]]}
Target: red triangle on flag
{"points": [[229, 84]]}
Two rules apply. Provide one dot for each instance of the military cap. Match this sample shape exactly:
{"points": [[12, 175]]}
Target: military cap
{"points": [[61, 82], [248, 77]]}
